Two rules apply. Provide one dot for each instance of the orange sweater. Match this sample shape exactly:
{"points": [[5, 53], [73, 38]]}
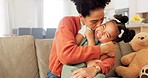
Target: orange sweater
{"points": [[65, 51]]}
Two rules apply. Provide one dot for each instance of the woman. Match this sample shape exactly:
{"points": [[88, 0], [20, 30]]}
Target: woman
{"points": [[65, 51]]}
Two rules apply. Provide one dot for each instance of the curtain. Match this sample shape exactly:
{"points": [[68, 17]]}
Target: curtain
{"points": [[4, 18], [39, 13]]}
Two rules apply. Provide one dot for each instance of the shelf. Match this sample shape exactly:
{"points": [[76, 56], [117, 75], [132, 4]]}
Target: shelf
{"points": [[137, 25], [143, 27]]}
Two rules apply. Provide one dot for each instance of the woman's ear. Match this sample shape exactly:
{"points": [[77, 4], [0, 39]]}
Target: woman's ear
{"points": [[82, 19], [80, 16]]}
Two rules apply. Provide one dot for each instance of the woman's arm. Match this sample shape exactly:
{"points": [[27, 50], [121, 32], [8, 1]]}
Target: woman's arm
{"points": [[106, 65], [99, 67], [66, 49], [88, 72]]}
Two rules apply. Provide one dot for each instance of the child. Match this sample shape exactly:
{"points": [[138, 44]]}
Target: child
{"points": [[89, 39], [112, 30]]}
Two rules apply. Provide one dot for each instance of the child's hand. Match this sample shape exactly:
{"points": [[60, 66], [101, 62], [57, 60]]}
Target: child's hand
{"points": [[92, 62], [89, 34], [104, 56], [108, 48]]}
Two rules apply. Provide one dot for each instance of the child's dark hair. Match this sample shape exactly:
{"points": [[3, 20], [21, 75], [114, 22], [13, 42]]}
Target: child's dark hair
{"points": [[122, 19], [125, 35], [85, 6]]}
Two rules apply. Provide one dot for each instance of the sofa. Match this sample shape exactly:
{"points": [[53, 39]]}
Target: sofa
{"points": [[26, 57]]}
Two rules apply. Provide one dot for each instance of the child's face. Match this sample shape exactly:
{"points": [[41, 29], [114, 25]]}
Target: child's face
{"points": [[106, 32]]}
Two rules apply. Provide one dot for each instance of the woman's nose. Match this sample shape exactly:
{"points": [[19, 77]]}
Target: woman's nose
{"points": [[99, 23]]}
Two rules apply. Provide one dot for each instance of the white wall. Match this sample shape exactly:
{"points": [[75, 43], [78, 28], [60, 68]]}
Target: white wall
{"points": [[120, 4], [133, 8], [142, 6], [69, 8], [109, 10]]}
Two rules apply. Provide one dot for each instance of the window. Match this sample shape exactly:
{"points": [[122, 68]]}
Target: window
{"points": [[52, 13]]}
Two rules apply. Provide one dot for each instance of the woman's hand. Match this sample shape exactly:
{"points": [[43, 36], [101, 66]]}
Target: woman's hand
{"points": [[88, 72]]}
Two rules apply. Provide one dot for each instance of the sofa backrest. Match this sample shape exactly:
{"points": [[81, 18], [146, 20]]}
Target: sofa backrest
{"points": [[43, 47], [18, 57], [122, 49]]}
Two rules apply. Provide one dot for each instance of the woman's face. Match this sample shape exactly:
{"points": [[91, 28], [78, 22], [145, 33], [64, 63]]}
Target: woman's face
{"points": [[95, 18], [106, 32]]}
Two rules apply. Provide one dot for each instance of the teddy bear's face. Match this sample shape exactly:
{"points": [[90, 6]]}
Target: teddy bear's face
{"points": [[142, 38], [139, 41]]}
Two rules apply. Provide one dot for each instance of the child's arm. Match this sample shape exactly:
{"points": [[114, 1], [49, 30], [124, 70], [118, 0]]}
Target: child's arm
{"points": [[85, 32], [79, 38], [90, 37], [80, 35], [108, 48], [104, 56]]}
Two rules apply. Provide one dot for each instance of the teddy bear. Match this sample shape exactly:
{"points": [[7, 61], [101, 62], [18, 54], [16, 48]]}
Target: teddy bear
{"points": [[134, 61]]}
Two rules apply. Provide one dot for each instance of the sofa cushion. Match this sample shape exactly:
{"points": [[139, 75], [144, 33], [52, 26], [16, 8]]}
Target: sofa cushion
{"points": [[18, 57], [123, 49], [112, 72], [43, 47]]}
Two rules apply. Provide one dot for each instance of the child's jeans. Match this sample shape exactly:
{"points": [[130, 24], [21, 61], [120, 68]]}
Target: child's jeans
{"points": [[50, 75]]}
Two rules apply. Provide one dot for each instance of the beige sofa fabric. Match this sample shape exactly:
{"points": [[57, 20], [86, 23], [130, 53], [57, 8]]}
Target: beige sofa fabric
{"points": [[18, 57], [43, 49], [112, 73], [123, 49]]}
